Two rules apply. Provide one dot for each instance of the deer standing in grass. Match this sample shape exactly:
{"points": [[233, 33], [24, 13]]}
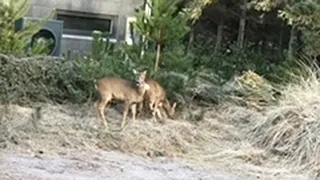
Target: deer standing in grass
{"points": [[156, 96], [130, 93]]}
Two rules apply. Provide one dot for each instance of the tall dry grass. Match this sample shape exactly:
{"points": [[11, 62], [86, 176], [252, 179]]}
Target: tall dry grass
{"points": [[290, 128]]}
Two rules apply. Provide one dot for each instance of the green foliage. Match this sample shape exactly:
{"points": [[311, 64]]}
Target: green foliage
{"points": [[36, 79], [187, 74], [133, 54], [178, 59], [303, 15], [301, 12], [195, 8], [49, 79], [60, 80], [178, 75], [274, 68], [193, 86], [104, 60], [100, 47], [13, 42], [175, 58], [163, 26], [312, 45], [41, 48], [264, 5]]}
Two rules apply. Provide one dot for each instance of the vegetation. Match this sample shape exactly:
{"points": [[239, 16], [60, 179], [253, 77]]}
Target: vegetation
{"points": [[13, 42], [239, 54], [163, 26], [184, 52]]}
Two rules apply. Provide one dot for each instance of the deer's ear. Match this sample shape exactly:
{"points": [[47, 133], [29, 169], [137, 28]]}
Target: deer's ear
{"points": [[174, 105], [145, 72]]}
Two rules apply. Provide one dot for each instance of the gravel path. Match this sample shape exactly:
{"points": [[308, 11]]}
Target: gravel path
{"points": [[99, 165]]}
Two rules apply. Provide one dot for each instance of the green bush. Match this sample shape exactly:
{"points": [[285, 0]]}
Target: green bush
{"points": [[104, 60], [273, 67], [182, 82], [35, 79], [51, 79], [133, 54], [61, 80], [185, 76], [13, 42]]}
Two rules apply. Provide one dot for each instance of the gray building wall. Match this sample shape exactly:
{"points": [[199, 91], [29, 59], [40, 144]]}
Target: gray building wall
{"points": [[121, 9]]}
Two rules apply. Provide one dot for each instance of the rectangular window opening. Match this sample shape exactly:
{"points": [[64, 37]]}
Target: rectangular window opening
{"points": [[83, 23]]}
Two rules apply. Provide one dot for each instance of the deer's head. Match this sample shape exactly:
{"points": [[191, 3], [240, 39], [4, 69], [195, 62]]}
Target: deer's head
{"points": [[141, 78]]}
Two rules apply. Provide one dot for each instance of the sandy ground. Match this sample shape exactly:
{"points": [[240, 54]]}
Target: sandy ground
{"points": [[66, 142], [100, 165]]}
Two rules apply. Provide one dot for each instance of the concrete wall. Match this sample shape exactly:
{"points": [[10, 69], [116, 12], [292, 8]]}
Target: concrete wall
{"points": [[120, 8]]}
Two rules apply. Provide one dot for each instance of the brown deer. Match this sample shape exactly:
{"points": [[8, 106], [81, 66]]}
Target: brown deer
{"points": [[130, 93], [156, 96]]}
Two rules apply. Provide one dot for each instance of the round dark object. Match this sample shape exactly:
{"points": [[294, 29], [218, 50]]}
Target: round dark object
{"points": [[45, 35]]}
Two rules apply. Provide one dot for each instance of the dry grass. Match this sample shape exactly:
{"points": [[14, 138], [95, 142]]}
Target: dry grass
{"points": [[217, 140], [273, 143], [291, 128]]}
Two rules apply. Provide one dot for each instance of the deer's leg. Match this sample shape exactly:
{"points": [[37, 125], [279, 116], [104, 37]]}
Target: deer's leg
{"points": [[157, 109], [140, 107], [134, 111], [158, 112], [125, 113], [151, 105], [96, 108], [152, 108], [101, 105], [164, 112]]}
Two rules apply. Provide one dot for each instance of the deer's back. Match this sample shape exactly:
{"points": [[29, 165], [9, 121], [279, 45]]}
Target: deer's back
{"points": [[156, 90], [118, 88]]}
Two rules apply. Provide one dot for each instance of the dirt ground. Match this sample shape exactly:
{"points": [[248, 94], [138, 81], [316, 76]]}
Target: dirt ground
{"points": [[99, 165], [67, 142]]}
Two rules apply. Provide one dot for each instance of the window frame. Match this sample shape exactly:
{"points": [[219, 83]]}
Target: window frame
{"points": [[82, 32]]}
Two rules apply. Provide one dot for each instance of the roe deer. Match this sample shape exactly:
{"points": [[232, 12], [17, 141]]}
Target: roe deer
{"points": [[130, 93], [156, 96]]}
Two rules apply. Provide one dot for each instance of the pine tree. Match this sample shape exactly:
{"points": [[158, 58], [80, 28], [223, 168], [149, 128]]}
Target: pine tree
{"points": [[163, 26], [300, 15], [13, 42], [195, 8]]}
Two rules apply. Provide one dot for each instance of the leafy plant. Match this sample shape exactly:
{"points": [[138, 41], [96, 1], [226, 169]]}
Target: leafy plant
{"points": [[163, 26], [13, 42]]}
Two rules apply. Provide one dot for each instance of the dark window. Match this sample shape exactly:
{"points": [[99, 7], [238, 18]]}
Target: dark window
{"points": [[81, 23]]}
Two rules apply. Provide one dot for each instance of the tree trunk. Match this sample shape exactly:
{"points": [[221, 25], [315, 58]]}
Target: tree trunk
{"points": [[242, 24], [292, 42], [219, 35], [191, 39], [156, 65], [144, 39], [261, 46], [143, 46], [281, 40]]}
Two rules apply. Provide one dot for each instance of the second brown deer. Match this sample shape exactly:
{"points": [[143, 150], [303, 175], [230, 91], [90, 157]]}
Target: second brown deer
{"points": [[157, 99], [130, 93]]}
